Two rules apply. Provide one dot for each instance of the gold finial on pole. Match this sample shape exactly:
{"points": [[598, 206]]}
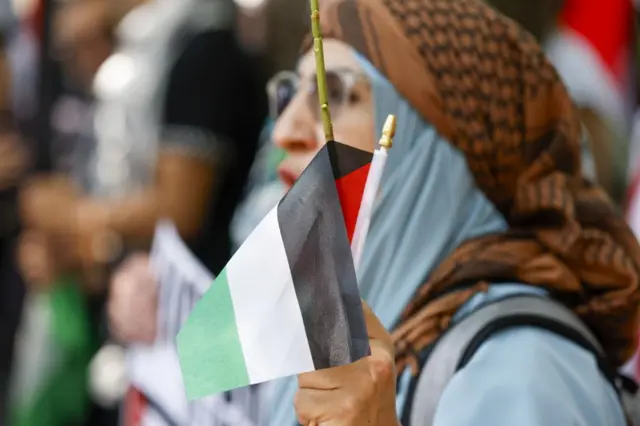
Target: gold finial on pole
{"points": [[388, 132], [320, 70]]}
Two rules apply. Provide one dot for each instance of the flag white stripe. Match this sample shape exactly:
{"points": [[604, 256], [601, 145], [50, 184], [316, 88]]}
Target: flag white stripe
{"points": [[266, 296]]}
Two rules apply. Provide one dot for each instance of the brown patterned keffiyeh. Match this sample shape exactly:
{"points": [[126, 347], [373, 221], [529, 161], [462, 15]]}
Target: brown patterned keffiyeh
{"points": [[486, 86]]}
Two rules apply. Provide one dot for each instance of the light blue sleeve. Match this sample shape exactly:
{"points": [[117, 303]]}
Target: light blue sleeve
{"points": [[529, 377]]}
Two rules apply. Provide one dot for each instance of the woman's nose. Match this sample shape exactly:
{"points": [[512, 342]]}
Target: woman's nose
{"points": [[295, 129]]}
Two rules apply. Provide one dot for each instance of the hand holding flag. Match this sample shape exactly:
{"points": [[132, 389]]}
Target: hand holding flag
{"points": [[362, 393]]}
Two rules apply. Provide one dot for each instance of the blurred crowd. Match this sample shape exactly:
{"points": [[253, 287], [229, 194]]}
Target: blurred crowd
{"points": [[117, 113]]}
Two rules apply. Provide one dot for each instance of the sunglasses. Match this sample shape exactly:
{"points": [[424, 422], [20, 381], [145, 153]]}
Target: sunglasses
{"points": [[284, 86]]}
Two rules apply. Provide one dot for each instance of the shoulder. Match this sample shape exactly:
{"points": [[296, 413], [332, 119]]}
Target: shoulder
{"points": [[529, 377]]}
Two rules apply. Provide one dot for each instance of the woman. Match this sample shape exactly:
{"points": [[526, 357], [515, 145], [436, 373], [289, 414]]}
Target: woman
{"points": [[469, 85], [483, 198]]}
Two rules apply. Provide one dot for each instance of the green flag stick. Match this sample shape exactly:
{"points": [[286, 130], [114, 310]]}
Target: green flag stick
{"points": [[320, 70]]}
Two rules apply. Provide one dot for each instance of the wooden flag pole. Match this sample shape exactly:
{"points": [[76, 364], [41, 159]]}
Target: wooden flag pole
{"points": [[320, 70], [380, 155]]}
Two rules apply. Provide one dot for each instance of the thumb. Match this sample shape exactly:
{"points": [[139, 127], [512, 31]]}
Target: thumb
{"points": [[382, 359], [375, 329]]}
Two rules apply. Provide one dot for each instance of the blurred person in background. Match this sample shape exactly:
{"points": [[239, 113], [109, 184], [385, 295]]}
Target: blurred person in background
{"points": [[82, 33], [271, 28], [176, 132], [83, 40], [179, 107], [13, 164], [288, 22], [56, 339]]}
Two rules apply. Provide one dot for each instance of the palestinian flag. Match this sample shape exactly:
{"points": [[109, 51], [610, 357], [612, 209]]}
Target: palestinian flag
{"points": [[288, 301]]}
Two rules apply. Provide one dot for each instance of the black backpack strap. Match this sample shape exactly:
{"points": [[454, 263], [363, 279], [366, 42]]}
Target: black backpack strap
{"points": [[458, 345]]}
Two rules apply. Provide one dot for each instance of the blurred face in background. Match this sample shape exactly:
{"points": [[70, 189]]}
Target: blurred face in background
{"points": [[294, 104], [83, 39]]}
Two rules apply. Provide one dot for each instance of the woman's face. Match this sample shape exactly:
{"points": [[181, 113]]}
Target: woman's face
{"points": [[298, 129]]}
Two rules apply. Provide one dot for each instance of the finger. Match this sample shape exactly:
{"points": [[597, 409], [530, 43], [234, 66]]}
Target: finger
{"points": [[119, 287], [335, 377], [379, 337], [313, 406], [382, 356], [132, 316], [135, 289], [114, 302], [330, 408], [127, 331], [375, 329], [140, 261], [143, 273], [122, 327], [112, 315], [114, 328], [132, 273], [137, 265]]}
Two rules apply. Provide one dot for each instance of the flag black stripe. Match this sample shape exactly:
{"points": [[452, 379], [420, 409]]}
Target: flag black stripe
{"points": [[346, 159], [319, 256]]}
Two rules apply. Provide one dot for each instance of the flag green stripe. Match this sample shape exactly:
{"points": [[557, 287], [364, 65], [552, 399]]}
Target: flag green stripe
{"points": [[224, 367]]}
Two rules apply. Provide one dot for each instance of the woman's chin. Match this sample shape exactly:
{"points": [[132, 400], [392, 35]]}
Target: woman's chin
{"points": [[287, 177]]}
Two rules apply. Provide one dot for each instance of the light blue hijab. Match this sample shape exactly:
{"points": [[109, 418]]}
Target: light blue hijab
{"points": [[428, 206]]}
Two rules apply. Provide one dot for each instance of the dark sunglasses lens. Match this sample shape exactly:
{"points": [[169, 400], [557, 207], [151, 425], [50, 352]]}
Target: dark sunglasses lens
{"points": [[285, 91]]}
